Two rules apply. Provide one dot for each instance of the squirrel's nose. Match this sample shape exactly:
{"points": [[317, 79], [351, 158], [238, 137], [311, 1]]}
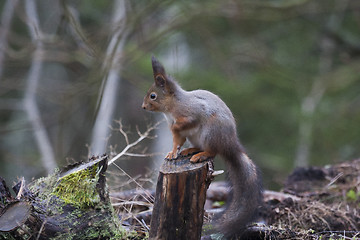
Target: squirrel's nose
{"points": [[143, 106]]}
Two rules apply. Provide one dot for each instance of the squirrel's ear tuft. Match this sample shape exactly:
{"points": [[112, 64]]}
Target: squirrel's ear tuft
{"points": [[159, 72], [157, 67]]}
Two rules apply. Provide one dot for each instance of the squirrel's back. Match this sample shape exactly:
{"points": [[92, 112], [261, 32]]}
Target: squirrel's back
{"points": [[209, 104], [217, 128]]}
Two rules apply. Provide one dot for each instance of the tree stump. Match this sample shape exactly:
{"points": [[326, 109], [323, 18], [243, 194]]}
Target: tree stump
{"points": [[179, 201], [71, 204]]}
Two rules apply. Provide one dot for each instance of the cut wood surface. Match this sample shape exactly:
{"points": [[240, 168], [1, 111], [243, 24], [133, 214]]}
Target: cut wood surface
{"points": [[14, 214]]}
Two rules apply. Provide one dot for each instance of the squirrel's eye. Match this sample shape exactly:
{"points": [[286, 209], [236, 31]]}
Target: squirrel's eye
{"points": [[153, 96]]}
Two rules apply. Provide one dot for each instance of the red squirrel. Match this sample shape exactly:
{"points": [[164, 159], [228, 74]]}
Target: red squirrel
{"points": [[207, 123]]}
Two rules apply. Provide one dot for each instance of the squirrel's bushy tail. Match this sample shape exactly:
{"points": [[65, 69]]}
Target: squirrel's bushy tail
{"points": [[246, 193]]}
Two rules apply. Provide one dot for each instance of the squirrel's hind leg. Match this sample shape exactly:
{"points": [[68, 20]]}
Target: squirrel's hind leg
{"points": [[189, 151], [201, 156]]}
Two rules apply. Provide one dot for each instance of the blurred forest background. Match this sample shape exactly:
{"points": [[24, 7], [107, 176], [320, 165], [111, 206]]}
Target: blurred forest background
{"points": [[288, 69]]}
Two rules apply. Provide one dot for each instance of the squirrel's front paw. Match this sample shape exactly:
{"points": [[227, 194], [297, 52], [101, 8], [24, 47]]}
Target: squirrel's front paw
{"points": [[171, 156]]}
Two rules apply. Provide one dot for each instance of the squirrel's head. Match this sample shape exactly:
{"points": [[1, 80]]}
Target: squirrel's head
{"points": [[160, 95]]}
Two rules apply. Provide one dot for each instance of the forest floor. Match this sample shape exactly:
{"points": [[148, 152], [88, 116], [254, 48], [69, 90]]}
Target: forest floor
{"points": [[315, 203]]}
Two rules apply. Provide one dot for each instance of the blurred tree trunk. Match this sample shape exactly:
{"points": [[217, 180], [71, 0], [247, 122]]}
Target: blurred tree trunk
{"points": [[112, 79], [31, 108], [312, 100]]}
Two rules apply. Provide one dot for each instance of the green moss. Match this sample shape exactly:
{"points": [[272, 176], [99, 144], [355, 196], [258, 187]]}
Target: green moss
{"points": [[43, 187], [79, 188], [352, 195], [99, 230], [219, 203]]}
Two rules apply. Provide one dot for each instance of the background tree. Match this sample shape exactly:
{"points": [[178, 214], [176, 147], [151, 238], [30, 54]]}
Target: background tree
{"points": [[289, 70]]}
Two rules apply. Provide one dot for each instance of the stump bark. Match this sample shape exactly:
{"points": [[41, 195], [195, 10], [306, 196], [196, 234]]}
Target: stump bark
{"points": [[179, 201]]}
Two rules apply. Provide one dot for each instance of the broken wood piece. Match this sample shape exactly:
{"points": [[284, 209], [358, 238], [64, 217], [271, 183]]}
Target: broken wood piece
{"points": [[13, 215]]}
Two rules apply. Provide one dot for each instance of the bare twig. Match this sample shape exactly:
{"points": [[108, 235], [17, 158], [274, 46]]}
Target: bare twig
{"points": [[76, 29], [142, 154], [128, 202], [21, 189], [142, 136], [148, 195], [121, 130], [128, 182], [132, 215], [41, 229], [334, 179]]}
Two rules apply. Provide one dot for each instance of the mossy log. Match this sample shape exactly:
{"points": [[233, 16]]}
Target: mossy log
{"points": [[179, 201], [71, 204]]}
